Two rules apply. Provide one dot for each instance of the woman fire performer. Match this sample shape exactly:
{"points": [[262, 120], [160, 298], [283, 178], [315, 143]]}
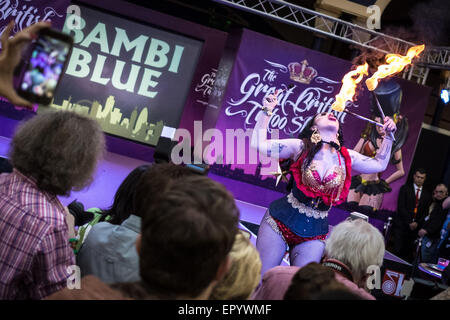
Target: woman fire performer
{"points": [[321, 170]]}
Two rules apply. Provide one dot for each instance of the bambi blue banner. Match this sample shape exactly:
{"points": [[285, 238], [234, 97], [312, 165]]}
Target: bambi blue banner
{"points": [[133, 78]]}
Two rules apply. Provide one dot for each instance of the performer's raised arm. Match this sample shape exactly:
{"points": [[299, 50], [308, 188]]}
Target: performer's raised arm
{"points": [[379, 163], [279, 148]]}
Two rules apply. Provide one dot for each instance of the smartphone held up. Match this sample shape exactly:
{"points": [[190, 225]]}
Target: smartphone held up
{"points": [[45, 63]]}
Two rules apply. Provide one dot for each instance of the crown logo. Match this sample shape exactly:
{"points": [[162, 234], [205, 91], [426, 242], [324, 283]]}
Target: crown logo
{"points": [[301, 72]]}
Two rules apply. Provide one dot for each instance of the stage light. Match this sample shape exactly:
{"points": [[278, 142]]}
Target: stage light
{"points": [[445, 95]]}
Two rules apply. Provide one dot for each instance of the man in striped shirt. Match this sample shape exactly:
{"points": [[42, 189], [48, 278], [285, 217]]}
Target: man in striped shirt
{"points": [[52, 154], [34, 250]]}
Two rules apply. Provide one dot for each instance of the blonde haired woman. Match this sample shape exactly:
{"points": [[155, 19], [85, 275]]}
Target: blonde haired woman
{"points": [[244, 274]]}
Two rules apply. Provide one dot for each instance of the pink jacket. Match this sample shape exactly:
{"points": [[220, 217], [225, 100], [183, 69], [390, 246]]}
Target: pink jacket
{"points": [[277, 280]]}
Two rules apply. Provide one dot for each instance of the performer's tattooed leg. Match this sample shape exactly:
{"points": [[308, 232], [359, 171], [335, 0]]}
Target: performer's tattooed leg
{"points": [[306, 252], [270, 244]]}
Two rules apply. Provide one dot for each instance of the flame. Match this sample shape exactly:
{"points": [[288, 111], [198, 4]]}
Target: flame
{"points": [[395, 64], [348, 88]]}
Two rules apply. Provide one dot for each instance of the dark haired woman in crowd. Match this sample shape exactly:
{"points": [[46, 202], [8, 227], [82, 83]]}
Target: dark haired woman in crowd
{"points": [[321, 171], [123, 205], [107, 244]]}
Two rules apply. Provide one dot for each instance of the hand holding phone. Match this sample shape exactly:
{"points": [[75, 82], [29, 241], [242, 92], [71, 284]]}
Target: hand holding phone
{"points": [[10, 57], [46, 63]]}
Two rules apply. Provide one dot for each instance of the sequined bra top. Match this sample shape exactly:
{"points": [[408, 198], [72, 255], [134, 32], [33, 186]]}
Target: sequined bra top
{"points": [[331, 184], [333, 188]]}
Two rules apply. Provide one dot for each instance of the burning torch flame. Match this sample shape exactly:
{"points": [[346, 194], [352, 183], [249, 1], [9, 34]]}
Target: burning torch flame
{"points": [[348, 88], [395, 64]]}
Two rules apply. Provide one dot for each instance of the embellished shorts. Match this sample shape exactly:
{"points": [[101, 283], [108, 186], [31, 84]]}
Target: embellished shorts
{"points": [[288, 236]]}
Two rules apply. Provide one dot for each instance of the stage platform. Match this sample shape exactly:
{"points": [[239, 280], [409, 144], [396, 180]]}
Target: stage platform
{"points": [[251, 200]]}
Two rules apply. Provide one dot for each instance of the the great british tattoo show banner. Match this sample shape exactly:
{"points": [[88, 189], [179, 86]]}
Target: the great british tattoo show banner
{"points": [[263, 64]]}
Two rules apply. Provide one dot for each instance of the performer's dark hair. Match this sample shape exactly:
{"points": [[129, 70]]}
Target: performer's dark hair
{"points": [[310, 148]]}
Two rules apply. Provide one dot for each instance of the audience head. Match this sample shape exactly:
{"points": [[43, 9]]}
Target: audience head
{"points": [[336, 294], [440, 192], [188, 229], [59, 150], [358, 245], [244, 274], [123, 205], [311, 280], [151, 181], [419, 177]]}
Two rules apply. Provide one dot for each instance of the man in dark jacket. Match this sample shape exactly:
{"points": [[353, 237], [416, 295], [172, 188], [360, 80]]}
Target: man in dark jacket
{"points": [[432, 224], [413, 203]]}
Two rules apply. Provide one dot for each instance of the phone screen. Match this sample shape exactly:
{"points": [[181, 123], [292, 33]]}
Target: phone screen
{"points": [[443, 263], [45, 67]]}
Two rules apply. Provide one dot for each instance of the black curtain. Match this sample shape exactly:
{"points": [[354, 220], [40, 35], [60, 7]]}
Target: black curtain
{"points": [[432, 154]]}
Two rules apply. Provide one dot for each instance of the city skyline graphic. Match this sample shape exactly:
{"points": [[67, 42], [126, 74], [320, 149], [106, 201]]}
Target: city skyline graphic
{"points": [[112, 121], [269, 182]]}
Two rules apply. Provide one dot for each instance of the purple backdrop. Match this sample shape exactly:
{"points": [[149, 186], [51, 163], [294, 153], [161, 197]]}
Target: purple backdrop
{"points": [[261, 64]]}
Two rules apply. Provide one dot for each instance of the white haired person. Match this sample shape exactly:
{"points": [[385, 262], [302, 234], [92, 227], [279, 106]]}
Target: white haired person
{"points": [[354, 246], [321, 171]]}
